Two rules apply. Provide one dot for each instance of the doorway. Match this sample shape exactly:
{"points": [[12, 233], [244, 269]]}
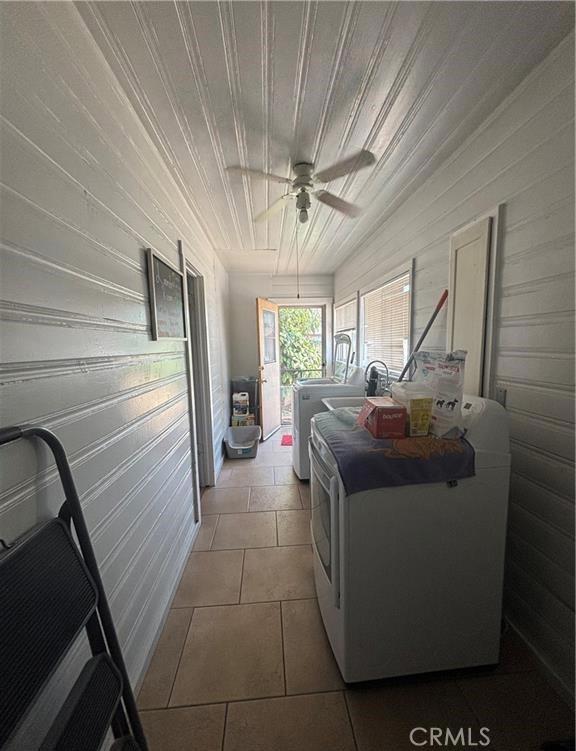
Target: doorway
{"points": [[302, 350], [200, 391]]}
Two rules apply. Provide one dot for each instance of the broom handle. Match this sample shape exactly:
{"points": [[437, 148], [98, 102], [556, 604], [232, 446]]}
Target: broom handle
{"points": [[437, 309]]}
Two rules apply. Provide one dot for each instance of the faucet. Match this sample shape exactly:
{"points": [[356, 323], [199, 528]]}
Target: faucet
{"points": [[367, 382]]}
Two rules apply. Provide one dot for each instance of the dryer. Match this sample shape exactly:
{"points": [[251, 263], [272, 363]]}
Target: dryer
{"points": [[409, 579]]}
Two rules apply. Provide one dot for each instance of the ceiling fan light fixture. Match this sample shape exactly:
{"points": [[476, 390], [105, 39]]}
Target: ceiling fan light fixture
{"points": [[303, 184], [302, 205]]}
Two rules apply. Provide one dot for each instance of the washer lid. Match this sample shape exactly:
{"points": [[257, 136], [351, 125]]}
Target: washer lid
{"points": [[316, 381]]}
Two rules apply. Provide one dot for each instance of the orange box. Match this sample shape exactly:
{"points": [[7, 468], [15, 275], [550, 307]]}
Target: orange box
{"points": [[383, 417]]}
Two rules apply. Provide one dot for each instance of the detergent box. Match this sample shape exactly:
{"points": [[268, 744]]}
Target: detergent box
{"points": [[383, 417], [240, 403], [240, 421], [417, 399]]}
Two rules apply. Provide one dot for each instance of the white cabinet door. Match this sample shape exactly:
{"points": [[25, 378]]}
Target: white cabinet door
{"points": [[467, 298]]}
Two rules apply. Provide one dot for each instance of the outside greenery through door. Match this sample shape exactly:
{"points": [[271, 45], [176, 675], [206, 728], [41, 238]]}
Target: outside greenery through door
{"points": [[301, 350]]}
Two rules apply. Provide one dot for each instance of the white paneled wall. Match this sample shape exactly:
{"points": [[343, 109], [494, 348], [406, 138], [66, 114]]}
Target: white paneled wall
{"points": [[523, 157], [84, 192], [244, 289]]}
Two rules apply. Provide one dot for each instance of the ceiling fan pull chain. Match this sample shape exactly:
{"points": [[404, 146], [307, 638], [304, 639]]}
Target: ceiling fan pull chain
{"points": [[297, 264]]}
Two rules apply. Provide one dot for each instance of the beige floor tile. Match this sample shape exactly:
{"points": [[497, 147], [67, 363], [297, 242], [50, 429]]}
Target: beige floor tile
{"points": [[278, 574], [231, 653], [206, 532], [256, 530], [293, 527], [224, 478], [225, 500], [310, 664], [521, 710], [275, 459], [157, 684], [383, 717], [285, 476], [239, 463], [267, 448], [316, 722], [274, 443], [304, 490], [274, 497], [185, 728], [211, 578], [245, 478]]}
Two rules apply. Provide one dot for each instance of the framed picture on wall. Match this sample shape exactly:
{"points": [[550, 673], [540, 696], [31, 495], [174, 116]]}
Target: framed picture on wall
{"points": [[166, 286]]}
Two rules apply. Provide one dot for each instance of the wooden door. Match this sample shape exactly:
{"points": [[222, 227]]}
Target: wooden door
{"points": [[269, 366], [467, 299]]}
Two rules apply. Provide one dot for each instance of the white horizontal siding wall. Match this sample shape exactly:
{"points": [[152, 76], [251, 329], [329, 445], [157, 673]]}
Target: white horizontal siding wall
{"points": [[83, 193], [244, 289], [522, 156]]}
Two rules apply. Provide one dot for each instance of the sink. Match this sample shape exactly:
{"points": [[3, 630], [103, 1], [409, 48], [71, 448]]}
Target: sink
{"points": [[353, 403]]}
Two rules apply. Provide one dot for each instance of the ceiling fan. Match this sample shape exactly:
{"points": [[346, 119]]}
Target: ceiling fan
{"points": [[303, 185]]}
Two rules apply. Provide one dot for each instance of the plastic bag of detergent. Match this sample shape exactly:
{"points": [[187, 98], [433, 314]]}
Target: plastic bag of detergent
{"points": [[443, 374]]}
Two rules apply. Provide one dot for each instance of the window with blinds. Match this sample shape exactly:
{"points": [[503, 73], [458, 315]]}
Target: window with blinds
{"points": [[345, 317], [345, 323], [385, 323]]}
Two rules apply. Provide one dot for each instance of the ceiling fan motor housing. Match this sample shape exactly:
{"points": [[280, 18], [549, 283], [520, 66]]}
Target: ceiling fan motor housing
{"points": [[303, 185]]}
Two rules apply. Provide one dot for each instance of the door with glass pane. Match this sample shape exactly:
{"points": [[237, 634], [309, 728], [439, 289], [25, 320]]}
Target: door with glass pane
{"points": [[269, 366]]}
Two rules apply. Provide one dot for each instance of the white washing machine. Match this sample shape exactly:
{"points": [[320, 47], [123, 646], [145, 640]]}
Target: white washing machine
{"points": [[409, 579], [307, 396]]}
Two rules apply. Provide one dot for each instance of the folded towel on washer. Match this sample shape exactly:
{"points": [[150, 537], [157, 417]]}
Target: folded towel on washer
{"points": [[368, 463]]}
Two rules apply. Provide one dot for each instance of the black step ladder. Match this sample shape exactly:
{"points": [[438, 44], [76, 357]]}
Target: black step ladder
{"points": [[50, 591]]}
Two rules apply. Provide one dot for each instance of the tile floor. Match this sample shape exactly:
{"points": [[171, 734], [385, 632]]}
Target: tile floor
{"points": [[243, 663]]}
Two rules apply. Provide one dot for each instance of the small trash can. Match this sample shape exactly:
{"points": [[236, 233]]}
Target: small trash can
{"points": [[242, 442]]}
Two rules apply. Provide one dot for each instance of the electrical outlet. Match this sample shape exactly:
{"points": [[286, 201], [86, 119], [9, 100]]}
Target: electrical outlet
{"points": [[500, 395]]}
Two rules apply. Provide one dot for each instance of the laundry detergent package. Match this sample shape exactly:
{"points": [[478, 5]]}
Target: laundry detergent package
{"points": [[443, 374], [240, 421], [418, 401], [383, 417], [240, 403]]}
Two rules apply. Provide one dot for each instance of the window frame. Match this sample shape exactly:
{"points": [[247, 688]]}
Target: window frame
{"points": [[382, 282], [355, 298]]}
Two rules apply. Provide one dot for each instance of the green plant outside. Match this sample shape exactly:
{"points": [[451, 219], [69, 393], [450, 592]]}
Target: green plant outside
{"points": [[300, 341]]}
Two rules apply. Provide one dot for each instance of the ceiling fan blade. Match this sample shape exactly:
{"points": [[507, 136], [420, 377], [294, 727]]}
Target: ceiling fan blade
{"points": [[274, 208], [262, 175], [339, 204], [353, 164]]}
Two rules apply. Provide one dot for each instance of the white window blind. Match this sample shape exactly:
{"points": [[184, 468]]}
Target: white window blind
{"points": [[385, 323], [345, 316], [345, 323]]}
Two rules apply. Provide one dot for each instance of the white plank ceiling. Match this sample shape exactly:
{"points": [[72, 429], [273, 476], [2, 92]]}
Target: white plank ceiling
{"points": [[267, 84]]}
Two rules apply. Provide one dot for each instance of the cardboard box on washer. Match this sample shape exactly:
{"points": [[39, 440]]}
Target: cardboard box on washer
{"points": [[383, 417]]}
